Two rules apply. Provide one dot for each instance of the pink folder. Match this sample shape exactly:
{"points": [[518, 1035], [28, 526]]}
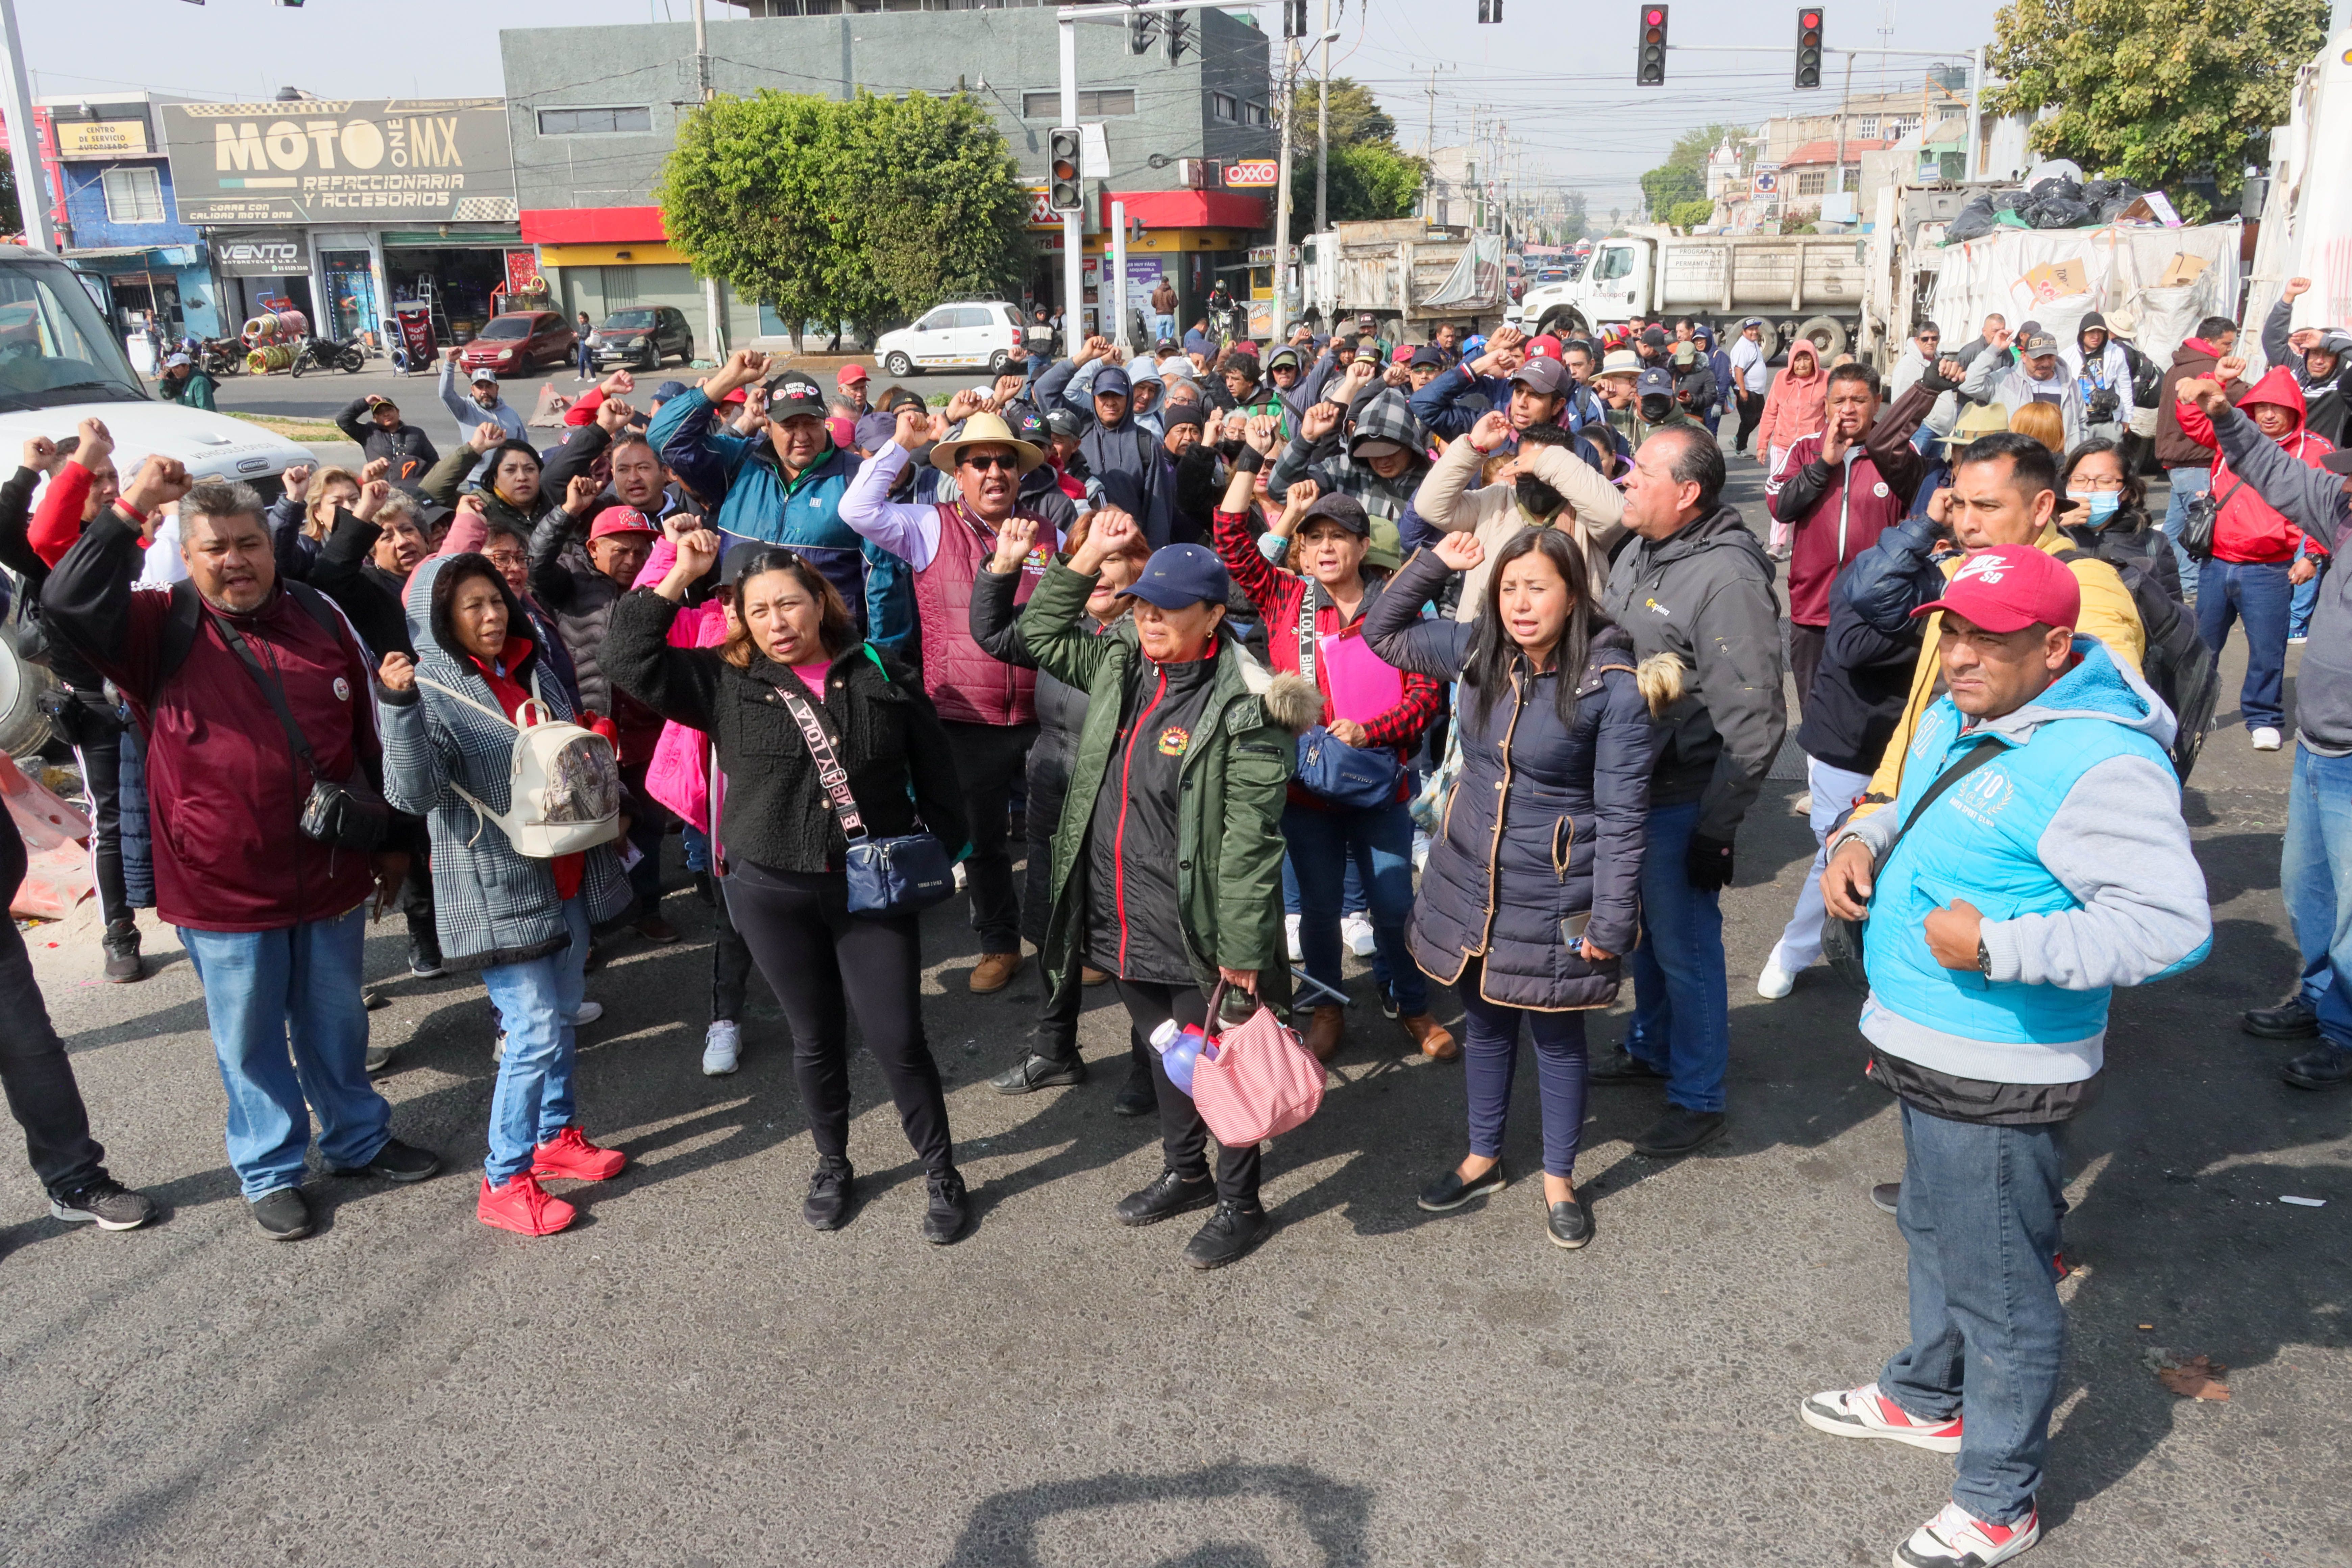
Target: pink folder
{"points": [[1363, 686]]}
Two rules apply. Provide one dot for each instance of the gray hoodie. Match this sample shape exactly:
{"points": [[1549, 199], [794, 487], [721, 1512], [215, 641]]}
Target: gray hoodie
{"points": [[2314, 500], [1705, 595]]}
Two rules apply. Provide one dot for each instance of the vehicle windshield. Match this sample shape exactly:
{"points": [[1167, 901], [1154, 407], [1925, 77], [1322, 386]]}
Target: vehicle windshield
{"points": [[628, 321], [55, 347], [505, 327]]}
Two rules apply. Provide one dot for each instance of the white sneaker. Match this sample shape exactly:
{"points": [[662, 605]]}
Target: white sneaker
{"points": [[1956, 1538], [589, 1013], [2266, 738], [1290, 935], [722, 1047], [1775, 982], [1356, 930], [1865, 1413]]}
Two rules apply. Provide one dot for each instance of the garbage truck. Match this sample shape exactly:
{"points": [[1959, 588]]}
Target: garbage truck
{"points": [[1802, 285], [1413, 276]]}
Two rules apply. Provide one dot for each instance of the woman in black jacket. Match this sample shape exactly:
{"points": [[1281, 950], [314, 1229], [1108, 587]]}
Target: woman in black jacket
{"points": [[2109, 518], [792, 640], [1052, 1061], [1532, 893]]}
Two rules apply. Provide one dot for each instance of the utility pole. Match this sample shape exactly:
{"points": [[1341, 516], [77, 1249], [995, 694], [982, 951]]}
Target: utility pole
{"points": [[1282, 197], [1845, 95], [714, 311], [1970, 168], [1323, 129], [1073, 224], [32, 198]]}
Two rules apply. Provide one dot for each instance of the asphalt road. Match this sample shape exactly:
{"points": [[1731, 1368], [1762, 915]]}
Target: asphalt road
{"points": [[692, 1377]]}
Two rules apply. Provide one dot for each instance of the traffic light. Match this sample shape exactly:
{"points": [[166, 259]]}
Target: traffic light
{"points": [[1650, 65], [1139, 32], [1064, 193], [1490, 10], [1177, 28], [1294, 18], [1809, 46]]}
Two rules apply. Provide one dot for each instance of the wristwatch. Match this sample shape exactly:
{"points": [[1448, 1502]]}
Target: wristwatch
{"points": [[1984, 960]]}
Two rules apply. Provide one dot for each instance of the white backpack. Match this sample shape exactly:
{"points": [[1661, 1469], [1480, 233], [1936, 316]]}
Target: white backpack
{"points": [[565, 792]]}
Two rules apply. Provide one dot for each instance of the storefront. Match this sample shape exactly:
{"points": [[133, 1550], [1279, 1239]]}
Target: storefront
{"points": [[1187, 238], [260, 271], [602, 259], [171, 284], [458, 274]]}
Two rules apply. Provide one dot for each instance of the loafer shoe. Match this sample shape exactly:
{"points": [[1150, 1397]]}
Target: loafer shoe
{"points": [[284, 1215], [2325, 1066], [1435, 1040], [1230, 1232], [1168, 1196], [396, 1161], [1569, 1222], [1449, 1191], [1035, 1072], [2293, 1019], [1679, 1131], [1617, 1065]]}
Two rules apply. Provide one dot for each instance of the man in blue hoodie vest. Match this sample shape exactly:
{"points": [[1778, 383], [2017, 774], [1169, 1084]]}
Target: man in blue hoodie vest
{"points": [[2052, 866]]}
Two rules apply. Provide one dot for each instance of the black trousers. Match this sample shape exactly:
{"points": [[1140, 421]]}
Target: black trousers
{"points": [[1751, 410], [42, 1094], [1184, 1136], [988, 758], [730, 959], [1806, 646], [99, 756], [1057, 1021], [821, 961]]}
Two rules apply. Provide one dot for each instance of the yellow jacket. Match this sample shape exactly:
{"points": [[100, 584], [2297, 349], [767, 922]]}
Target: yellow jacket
{"points": [[2108, 614]]}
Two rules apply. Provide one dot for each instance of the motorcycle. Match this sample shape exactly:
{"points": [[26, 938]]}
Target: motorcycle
{"points": [[326, 353], [219, 357]]}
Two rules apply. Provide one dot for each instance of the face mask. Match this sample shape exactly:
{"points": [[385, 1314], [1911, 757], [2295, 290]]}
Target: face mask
{"points": [[2100, 504]]}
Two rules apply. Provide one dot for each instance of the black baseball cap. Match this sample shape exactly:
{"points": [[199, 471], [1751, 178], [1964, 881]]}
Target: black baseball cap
{"points": [[1428, 353], [1182, 574], [1548, 376], [1062, 422], [796, 393], [1342, 509]]}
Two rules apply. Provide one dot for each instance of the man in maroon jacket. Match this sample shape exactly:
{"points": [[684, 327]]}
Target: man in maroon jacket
{"points": [[272, 920], [1837, 491]]}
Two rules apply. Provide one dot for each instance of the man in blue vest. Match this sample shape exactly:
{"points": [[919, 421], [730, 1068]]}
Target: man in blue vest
{"points": [[2051, 866]]}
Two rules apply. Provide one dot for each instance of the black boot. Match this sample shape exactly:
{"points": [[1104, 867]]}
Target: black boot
{"points": [[121, 944], [1035, 1072]]}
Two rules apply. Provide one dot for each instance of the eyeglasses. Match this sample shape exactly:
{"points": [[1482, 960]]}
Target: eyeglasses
{"points": [[1008, 462]]}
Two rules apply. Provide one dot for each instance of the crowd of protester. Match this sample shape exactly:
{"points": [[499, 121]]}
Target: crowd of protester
{"points": [[1452, 653]]}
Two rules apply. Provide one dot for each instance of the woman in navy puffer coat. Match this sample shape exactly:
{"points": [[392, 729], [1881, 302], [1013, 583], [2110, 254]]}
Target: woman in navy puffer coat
{"points": [[1531, 892]]}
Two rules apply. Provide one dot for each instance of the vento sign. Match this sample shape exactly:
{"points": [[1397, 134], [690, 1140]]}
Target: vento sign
{"points": [[348, 161]]}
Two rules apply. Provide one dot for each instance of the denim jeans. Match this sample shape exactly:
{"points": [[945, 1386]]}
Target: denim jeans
{"points": [[1682, 1006], [2258, 593], [288, 1026], [1833, 790], [1490, 1059], [1162, 327], [2188, 484], [1979, 1214], [2316, 881], [1323, 840], [2307, 596], [535, 1000]]}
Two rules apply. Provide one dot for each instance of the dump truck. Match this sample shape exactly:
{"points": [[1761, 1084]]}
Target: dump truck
{"points": [[1802, 285], [1412, 275]]}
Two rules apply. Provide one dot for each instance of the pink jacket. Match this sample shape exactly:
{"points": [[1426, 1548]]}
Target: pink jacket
{"points": [[1797, 404], [679, 774]]}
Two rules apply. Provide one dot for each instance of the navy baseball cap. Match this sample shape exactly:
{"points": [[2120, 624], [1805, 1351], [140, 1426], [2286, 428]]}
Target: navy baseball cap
{"points": [[1111, 378], [1428, 353], [667, 390], [1656, 381], [875, 431], [1182, 574], [796, 393]]}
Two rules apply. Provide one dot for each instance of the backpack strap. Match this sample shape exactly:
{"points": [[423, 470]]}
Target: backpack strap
{"points": [[186, 616], [483, 708]]}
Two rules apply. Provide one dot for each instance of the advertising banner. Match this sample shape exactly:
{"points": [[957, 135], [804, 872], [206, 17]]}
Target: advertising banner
{"points": [[342, 160], [284, 253], [102, 138]]}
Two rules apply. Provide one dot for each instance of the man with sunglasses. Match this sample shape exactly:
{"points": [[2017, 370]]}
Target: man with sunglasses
{"points": [[988, 707]]}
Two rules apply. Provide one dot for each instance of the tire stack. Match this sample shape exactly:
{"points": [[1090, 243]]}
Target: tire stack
{"points": [[270, 339]]}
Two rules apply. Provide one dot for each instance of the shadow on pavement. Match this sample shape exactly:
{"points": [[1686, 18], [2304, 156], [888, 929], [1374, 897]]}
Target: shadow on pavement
{"points": [[1002, 1532]]}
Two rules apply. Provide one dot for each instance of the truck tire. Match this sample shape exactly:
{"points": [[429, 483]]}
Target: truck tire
{"points": [[1827, 334], [1563, 322]]}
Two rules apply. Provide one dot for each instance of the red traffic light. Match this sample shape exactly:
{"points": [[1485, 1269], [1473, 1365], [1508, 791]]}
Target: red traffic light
{"points": [[1809, 18], [1657, 15]]}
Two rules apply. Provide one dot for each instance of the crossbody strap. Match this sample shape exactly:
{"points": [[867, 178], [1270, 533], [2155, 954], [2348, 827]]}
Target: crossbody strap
{"points": [[1979, 755], [271, 690], [1307, 631], [829, 771]]}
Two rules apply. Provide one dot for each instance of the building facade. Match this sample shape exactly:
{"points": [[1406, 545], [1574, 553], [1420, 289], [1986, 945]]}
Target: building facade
{"points": [[112, 197]]}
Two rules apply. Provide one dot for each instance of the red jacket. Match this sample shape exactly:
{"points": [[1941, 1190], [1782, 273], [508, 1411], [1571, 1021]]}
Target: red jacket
{"points": [[2248, 529], [57, 521], [224, 786], [1830, 524]]}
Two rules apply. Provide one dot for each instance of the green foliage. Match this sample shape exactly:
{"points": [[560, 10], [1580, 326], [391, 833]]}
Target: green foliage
{"points": [[2155, 92], [872, 210], [11, 220], [1681, 178], [1690, 215], [1367, 176], [1356, 118]]}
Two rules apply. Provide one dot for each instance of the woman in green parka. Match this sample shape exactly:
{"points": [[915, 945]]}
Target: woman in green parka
{"points": [[1168, 861]]}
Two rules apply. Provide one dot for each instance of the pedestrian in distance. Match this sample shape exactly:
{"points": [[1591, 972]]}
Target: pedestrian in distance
{"points": [[2189, 465], [1797, 406], [1531, 894], [796, 682], [583, 333], [240, 738], [484, 403], [1750, 378], [2050, 865], [373, 422], [450, 719]]}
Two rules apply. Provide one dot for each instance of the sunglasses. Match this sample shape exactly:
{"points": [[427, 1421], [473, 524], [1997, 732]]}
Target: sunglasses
{"points": [[1009, 463]]}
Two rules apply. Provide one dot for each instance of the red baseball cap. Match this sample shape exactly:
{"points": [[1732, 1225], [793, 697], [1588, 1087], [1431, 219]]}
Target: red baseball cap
{"points": [[1401, 354], [622, 520], [1544, 345], [2011, 587], [850, 375]]}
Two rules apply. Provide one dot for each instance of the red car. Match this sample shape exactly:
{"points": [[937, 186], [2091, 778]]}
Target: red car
{"points": [[514, 343]]}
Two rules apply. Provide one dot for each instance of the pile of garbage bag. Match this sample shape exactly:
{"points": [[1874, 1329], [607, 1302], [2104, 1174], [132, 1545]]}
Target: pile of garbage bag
{"points": [[2057, 201]]}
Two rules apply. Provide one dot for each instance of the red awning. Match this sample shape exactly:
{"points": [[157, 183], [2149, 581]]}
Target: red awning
{"points": [[593, 225], [1190, 209]]}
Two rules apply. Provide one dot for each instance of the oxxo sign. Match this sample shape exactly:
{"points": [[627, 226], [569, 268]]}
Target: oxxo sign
{"points": [[320, 161], [1253, 171]]}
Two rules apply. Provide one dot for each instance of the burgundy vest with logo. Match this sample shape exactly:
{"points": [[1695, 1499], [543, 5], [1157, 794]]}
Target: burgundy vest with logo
{"points": [[965, 683]]}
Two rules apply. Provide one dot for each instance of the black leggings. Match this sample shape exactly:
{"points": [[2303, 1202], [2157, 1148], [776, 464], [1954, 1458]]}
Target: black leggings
{"points": [[99, 755], [1184, 1136], [821, 961], [730, 960]]}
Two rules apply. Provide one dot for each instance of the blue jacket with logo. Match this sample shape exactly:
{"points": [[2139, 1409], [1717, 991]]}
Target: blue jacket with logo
{"points": [[2071, 845], [750, 499]]}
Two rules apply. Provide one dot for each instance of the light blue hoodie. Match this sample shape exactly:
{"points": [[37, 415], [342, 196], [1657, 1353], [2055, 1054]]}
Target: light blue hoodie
{"points": [[2071, 845]]}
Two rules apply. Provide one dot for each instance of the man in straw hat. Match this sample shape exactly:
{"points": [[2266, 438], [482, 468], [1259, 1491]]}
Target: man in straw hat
{"points": [[988, 707]]}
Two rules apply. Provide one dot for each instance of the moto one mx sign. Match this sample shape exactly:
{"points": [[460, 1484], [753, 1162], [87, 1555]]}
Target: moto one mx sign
{"points": [[341, 161]]}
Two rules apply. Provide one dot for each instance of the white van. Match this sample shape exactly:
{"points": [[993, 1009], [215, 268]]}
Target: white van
{"points": [[952, 336]]}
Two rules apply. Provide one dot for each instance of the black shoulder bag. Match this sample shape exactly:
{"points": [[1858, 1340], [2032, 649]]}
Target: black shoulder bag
{"points": [[1841, 939], [349, 816]]}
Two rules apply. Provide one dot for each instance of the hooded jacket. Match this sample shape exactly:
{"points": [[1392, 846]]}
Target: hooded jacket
{"points": [[2328, 403], [2248, 529], [2194, 358], [1446, 504], [1797, 404], [1703, 594], [1383, 417], [1124, 459], [1546, 821], [1835, 513], [490, 904], [2071, 843], [2109, 370], [1235, 775]]}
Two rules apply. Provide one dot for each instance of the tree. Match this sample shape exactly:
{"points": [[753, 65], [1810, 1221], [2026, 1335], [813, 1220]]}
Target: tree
{"points": [[1682, 176], [2155, 92], [1690, 214], [11, 220], [1368, 174], [1357, 117], [869, 210]]}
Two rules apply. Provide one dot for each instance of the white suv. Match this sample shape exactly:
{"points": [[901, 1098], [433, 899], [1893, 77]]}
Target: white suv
{"points": [[969, 332]]}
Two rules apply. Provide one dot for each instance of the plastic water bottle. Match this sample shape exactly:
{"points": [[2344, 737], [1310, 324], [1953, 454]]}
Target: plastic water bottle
{"points": [[1180, 1048]]}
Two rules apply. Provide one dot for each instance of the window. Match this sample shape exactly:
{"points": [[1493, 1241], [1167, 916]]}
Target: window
{"points": [[1617, 261], [972, 316], [1867, 127], [1853, 178], [1091, 105], [1258, 114], [937, 321], [1950, 111], [1813, 182], [1225, 106], [593, 121], [134, 194], [1904, 125]]}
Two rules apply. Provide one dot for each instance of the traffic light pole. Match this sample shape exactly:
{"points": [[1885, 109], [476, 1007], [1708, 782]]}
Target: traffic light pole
{"points": [[1073, 224]]}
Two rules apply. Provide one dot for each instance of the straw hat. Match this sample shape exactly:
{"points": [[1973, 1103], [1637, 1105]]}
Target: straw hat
{"points": [[984, 430], [1976, 419]]}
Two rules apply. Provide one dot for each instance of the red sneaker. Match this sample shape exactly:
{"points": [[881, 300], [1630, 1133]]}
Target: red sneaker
{"points": [[522, 1207], [1865, 1413], [570, 1156]]}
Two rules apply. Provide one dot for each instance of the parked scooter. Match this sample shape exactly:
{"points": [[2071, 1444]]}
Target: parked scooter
{"points": [[219, 357], [326, 353]]}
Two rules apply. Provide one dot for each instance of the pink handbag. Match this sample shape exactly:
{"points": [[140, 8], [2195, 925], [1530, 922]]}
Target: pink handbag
{"points": [[1261, 1081]]}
